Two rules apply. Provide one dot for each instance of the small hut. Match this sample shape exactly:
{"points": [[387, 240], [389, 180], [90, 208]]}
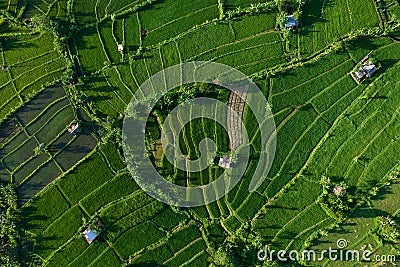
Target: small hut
{"points": [[73, 129], [369, 69], [359, 74], [291, 22], [89, 235], [366, 70], [120, 48], [225, 162], [93, 229]]}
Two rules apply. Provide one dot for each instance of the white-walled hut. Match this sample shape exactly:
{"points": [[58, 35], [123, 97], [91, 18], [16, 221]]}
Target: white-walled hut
{"points": [[225, 162]]}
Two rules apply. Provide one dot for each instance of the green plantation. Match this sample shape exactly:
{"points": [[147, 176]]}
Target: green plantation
{"points": [[24, 71], [335, 174], [36, 147]]}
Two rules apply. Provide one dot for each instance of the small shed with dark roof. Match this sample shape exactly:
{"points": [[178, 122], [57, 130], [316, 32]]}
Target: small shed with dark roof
{"points": [[366, 70], [291, 22], [370, 69]]}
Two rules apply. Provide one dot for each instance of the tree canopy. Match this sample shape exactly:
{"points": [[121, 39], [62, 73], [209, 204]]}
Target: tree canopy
{"points": [[8, 226]]}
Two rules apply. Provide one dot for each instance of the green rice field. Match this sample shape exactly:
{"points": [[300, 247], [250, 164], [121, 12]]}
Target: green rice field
{"points": [[81, 62]]}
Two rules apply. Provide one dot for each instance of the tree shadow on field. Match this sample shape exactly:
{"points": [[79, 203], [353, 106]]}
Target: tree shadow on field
{"points": [[397, 219], [367, 212], [341, 230], [275, 227], [287, 73], [98, 98], [45, 98], [138, 57], [229, 6], [280, 207], [54, 148], [41, 243], [383, 97], [97, 79], [4, 174], [330, 3], [146, 264], [78, 149], [289, 235], [378, 212], [155, 6], [336, 179], [105, 89], [79, 40], [384, 192], [309, 18], [313, 12], [31, 244], [313, 15], [79, 15], [386, 64], [307, 31], [307, 107], [13, 43], [28, 214], [132, 48], [282, 236], [365, 43], [372, 212], [47, 94], [7, 129]]}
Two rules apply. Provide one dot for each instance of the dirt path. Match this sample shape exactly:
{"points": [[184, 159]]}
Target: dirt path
{"points": [[236, 102]]}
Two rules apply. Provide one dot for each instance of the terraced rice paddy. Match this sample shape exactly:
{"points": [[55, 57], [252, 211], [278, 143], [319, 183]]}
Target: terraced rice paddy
{"points": [[37, 144], [327, 125]]}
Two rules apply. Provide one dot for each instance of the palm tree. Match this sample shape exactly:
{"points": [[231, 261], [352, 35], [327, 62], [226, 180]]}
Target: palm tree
{"points": [[325, 182], [8, 230]]}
